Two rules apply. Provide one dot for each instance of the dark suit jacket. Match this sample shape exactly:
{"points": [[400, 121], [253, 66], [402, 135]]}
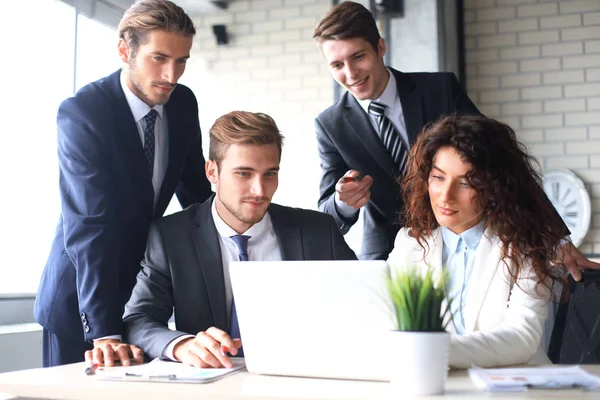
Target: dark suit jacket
{"points": [[183, 269], [347, 140], [107, 205]]}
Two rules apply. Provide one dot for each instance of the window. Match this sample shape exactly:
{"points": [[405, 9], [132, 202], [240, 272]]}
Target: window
{"points": [[38, 71]]}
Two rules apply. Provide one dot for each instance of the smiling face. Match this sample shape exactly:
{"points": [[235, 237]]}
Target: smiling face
{"points": [[245, 183], [453, 200], [153, 71], [357, 66]]}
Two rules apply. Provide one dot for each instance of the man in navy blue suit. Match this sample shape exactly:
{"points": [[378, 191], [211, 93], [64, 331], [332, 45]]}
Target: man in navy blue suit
{"points": [[126, 144]]}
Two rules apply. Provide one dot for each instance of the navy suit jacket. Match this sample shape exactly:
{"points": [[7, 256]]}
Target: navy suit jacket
{"points": [[347, 140], [107, 205]]}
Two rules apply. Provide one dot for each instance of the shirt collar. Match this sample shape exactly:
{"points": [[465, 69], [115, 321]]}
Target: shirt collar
{"points": [[471, 237], [139, 109], [388, 97], [225, 231]]}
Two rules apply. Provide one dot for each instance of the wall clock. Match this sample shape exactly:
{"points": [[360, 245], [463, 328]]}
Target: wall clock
{"points": [[572, 201]]}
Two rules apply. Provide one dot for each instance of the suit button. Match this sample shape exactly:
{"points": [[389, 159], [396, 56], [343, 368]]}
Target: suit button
{"points": [[86, 328], [84, 321], [83, 316]]}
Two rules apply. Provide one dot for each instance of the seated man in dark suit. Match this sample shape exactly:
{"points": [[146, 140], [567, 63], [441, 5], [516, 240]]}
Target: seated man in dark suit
{"points": [[186, 265]]}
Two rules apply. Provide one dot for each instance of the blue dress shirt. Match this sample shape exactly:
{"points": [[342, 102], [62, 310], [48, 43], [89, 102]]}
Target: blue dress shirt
{"points": [[458, 258]]}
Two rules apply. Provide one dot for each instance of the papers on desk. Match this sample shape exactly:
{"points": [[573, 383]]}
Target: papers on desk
{"points": [[166, 371], [521, 379]]}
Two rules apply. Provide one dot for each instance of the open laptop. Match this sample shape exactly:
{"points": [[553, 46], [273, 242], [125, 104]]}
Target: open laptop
{"points": [[328, 319]]}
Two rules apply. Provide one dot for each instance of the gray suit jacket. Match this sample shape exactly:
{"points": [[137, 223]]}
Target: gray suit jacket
{"points": [[183, 269], [347, 140]]}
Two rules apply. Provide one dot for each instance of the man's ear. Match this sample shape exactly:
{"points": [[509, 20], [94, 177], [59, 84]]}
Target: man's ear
{"points": [[212, 171], [123, 50], [381, 48]]}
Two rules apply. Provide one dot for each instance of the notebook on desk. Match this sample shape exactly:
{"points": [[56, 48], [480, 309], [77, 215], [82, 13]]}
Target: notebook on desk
{"points": [[328, 319]]}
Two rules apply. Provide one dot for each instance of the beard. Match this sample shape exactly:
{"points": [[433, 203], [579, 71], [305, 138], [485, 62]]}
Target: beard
{"points": [[247, 218], [139, 89]]}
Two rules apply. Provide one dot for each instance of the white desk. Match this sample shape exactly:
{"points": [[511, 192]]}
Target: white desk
{"points": [[70, 382]]}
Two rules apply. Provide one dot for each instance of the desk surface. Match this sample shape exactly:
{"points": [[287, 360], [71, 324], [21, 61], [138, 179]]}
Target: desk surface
{"points": [[70, 382]]}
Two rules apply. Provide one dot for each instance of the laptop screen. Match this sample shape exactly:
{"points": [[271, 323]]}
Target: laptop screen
{"points": [[314, 318]]}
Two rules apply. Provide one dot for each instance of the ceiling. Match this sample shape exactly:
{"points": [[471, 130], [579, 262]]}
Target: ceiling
{"points": [[192, 7]]}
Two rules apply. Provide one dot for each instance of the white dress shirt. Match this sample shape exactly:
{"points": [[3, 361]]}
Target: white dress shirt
{"points": [[394, 112], [262, 246], [139, 109]]}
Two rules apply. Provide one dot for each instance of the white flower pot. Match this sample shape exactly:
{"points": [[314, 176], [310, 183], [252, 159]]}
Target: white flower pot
{"points": [[419, 362]]}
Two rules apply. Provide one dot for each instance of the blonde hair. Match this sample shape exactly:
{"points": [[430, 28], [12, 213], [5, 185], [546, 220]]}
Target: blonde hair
{"points": [[146, 15], [242, 127]]}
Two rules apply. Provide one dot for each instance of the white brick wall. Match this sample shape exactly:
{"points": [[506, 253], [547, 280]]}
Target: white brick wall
{"points": [[271, 65], [535, 64]]}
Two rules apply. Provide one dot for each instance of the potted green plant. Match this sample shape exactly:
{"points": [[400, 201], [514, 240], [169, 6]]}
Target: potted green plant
{"points": [[420, 342]]}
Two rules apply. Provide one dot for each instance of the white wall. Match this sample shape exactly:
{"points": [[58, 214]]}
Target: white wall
{"points": [[535, 64], [20, 347], [414, 37]]}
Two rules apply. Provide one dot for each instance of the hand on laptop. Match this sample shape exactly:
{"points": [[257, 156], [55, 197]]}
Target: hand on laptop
{"points": [[204, 350]]}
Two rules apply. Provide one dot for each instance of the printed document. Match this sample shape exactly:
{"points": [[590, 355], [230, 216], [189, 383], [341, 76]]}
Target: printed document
{"points": [[521, 379], [167, 371]]}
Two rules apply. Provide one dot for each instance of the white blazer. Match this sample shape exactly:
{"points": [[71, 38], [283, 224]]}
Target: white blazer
{"points": [[503, 321]]}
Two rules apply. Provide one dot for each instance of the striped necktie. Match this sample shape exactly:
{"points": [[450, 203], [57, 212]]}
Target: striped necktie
{"points": [[389, 136], [234, 328], [150, 120]]}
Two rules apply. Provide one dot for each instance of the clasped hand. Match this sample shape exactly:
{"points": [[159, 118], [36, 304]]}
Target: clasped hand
{"points": [[107, 351]]}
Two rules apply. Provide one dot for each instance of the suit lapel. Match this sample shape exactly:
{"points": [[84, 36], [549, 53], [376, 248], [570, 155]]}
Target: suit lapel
{"points": [[434, 257], [177, 144], [288, 234], [130, 138], [487, 262], [208, 249], [412, 109], [435, 261], [358, 124]]}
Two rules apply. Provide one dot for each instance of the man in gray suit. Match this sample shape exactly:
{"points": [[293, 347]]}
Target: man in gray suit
{"points": [[349, 135], [187, 254]]}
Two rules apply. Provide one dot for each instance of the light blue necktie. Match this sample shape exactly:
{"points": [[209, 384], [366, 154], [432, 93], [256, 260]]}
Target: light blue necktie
{"points": [[150, 120], [234, 328]]}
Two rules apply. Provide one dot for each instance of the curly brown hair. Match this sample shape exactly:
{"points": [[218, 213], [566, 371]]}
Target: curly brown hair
{"points": [[508, 188]]}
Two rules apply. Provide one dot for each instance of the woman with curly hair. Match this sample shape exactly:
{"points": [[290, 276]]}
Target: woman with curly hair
{"points": [[476, 208]]}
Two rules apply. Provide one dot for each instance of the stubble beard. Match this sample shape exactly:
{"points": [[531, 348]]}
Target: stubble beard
{"points": [[133, 74], [239, 215]]}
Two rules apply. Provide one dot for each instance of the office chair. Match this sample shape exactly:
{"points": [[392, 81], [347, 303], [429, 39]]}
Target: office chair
{"points": [[576, 334]]}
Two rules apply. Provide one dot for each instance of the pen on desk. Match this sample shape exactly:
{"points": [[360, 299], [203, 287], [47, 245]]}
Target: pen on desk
{"points": [[168, 376], [347, 179], [91, 370], [224, 350]]}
